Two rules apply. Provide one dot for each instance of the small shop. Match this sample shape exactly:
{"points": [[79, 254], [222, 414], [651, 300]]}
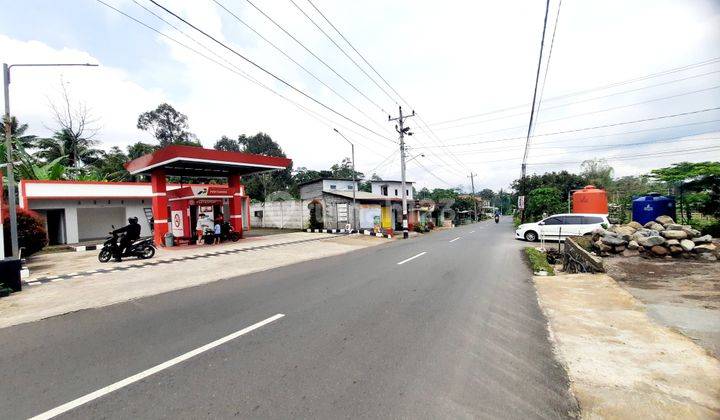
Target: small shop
{"points": [[188, 203]]}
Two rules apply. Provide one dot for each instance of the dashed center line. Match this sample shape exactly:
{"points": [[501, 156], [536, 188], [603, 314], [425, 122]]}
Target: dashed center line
{"points": [[472, 231], [453, 240], [412, 258], [153, 370]]}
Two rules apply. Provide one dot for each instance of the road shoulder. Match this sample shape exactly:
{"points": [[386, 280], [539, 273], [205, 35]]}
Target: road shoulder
{"points": [[620, 363]]}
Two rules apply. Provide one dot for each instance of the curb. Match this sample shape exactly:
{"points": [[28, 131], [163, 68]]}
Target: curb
{"points": [[367, 232], [149, 263]]}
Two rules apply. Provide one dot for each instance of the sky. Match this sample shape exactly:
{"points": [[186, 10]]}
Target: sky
{"points": [[612, 85]]}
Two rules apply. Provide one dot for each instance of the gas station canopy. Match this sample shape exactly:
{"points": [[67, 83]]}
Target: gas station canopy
{"points": [[197, 161]]}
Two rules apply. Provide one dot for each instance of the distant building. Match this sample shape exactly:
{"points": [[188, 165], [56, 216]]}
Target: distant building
{"points": [[392, 189]]}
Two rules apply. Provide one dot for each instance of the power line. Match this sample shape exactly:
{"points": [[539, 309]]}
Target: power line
{"points": [[584, 138], [631, 157], [431, 133], [286, 55], [582, 100], [432, 173], [342, 50], [547, 63], [237, 71], [269, 73], [315, 55], [577, 93]]}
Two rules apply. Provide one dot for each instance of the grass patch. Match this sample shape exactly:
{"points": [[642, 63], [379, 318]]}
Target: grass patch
{"points": [[538, 261]]}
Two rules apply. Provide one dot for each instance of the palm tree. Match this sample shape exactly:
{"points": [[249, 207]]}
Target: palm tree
{"points": [[75, 150]]}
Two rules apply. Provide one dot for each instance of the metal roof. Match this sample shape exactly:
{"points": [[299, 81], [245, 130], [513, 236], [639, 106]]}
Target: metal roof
{"points": [[198, 161]]}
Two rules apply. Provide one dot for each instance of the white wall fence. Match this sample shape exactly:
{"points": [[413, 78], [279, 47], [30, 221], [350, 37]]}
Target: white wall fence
{"points": [[278, 214]]}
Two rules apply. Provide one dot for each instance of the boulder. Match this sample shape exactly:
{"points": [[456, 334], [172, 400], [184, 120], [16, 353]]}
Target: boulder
{"points": [[674, 234], [632, 245], [659, 250], [687, 245], [692, 233], [602, 247], [674, 226], [655, 226], [702, 239], [619, 248], [630, 253], [675, 249], [672, 242], [704, 248], [651, 241], [707, 257], [635, 225], [624, 232], [612, 240], [665, 220]]}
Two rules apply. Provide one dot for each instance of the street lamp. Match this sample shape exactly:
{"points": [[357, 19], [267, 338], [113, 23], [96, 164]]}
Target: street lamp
{"points": [[355, 186], [8, 150]]}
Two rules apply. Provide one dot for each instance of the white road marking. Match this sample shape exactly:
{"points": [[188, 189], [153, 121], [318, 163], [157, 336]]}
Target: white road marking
{"points": [[453, 240], [472, 231], [34, 283], [412, 258], [153, 370], [56, 280]]}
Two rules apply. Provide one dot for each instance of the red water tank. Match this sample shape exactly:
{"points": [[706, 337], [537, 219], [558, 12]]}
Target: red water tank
{"points": [[590, 200]]}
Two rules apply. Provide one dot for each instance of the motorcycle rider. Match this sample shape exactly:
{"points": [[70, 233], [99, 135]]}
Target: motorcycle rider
{"points": [[497, 216], [131, 234]]}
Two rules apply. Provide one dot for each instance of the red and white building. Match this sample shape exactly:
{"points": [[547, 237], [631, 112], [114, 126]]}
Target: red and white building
{"points": [[77, 211]]}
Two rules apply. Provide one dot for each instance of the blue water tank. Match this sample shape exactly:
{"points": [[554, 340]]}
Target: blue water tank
{"points": [[649, 207]]}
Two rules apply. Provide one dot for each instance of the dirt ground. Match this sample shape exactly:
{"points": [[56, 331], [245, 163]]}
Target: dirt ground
{"points": [[621, 363], [682, 295]]}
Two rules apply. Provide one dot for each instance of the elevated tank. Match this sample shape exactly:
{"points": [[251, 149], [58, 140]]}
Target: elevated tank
{"points": [[590, 200], [649, 207]]}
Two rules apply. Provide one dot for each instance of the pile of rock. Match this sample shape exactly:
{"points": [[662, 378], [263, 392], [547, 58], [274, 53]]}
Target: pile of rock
{"points": [[661, 238]]}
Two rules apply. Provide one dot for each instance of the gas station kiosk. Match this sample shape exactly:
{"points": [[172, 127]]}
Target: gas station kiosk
{"points": [[177, 210]]}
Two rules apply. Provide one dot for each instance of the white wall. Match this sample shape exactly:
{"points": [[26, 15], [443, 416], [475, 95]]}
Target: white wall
{"points": [[96, 222], [278, 214], [391, 187], [339, 185]]}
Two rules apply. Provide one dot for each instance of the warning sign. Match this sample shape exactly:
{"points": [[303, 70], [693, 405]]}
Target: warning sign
{"points": [[178, 226]]}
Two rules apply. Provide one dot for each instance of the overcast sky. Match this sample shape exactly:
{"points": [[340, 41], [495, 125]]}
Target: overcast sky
{"points": [[455, 63]]}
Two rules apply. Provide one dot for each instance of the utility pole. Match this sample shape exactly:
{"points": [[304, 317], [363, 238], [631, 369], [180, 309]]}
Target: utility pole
{"points": [[402, 130], [8, 149], [355, 183], [472, 183]]}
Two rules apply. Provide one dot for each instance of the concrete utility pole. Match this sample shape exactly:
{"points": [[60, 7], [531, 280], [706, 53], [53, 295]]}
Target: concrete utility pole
{"points": [[355, 183], [12, 201], [402, 130], [472, 183]]}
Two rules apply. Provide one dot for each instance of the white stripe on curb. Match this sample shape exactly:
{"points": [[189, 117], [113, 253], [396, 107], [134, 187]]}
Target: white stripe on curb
{"points": [[153, 370], [453, 240]]}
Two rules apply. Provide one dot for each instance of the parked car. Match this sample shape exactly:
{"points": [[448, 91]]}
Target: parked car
{"points": [[560, 226]]}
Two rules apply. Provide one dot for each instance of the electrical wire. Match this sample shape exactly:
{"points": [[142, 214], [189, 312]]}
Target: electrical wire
{"points": [[286, 55], [581, 92]]}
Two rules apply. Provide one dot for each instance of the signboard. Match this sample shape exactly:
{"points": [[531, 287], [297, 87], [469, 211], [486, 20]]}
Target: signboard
{"points": [[177, 223], [210, 191], [342, 212], [521, 202]]}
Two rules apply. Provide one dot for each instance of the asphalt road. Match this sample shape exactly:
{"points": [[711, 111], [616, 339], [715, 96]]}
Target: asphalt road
{"points": [[453, 333]]}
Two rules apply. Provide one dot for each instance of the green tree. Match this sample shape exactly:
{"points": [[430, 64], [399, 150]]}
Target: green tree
{"points": [[487, 194], [168, 126], [563, 181], [228, 144], [543, 200], [260, 185], [697, 184], [367, 184], [18, 134], [597, 172], [112, 168], [74, 149], [138, 149]]}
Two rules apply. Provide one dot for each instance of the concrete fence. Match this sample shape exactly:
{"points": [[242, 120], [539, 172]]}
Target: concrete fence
{"points": [[278, 214]]}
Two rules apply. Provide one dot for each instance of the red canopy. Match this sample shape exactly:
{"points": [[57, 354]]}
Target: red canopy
{"points": [[197, 161]]}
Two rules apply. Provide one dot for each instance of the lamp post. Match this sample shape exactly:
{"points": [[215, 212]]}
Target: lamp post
{"points": [[8, 148], [355, 186]]}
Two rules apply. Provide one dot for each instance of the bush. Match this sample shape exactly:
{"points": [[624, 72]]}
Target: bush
{"points": [[32, 236], [538, 261], [707, 227]]}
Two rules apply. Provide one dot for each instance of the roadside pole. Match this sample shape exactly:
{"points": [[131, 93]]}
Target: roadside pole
{"points": [[472, 183], [402, 130], [355, 183], [10, 171]]}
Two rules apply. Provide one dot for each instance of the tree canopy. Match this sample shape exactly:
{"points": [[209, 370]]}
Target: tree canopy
{"points": [[167, 125]]}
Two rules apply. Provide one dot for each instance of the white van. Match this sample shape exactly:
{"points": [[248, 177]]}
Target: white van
{"points": [[560, 226]]}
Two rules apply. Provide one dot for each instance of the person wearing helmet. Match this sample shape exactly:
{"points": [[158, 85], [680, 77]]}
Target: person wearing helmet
{"points": [[131, 233]]}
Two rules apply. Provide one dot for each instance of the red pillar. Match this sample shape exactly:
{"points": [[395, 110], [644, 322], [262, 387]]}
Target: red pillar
{"points": [[159, 205], [236, 208], [247, 212]]}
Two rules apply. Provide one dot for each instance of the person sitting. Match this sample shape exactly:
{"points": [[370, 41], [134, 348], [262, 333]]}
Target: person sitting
{"points": [[131, 233]]}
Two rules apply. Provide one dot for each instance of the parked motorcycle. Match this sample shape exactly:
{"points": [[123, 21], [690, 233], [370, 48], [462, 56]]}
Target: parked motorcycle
{"points": [[227, 233], [143, 248]]}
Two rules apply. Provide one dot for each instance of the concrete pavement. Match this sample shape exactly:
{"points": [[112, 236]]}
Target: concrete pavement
{"points": [[455, 332]]}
